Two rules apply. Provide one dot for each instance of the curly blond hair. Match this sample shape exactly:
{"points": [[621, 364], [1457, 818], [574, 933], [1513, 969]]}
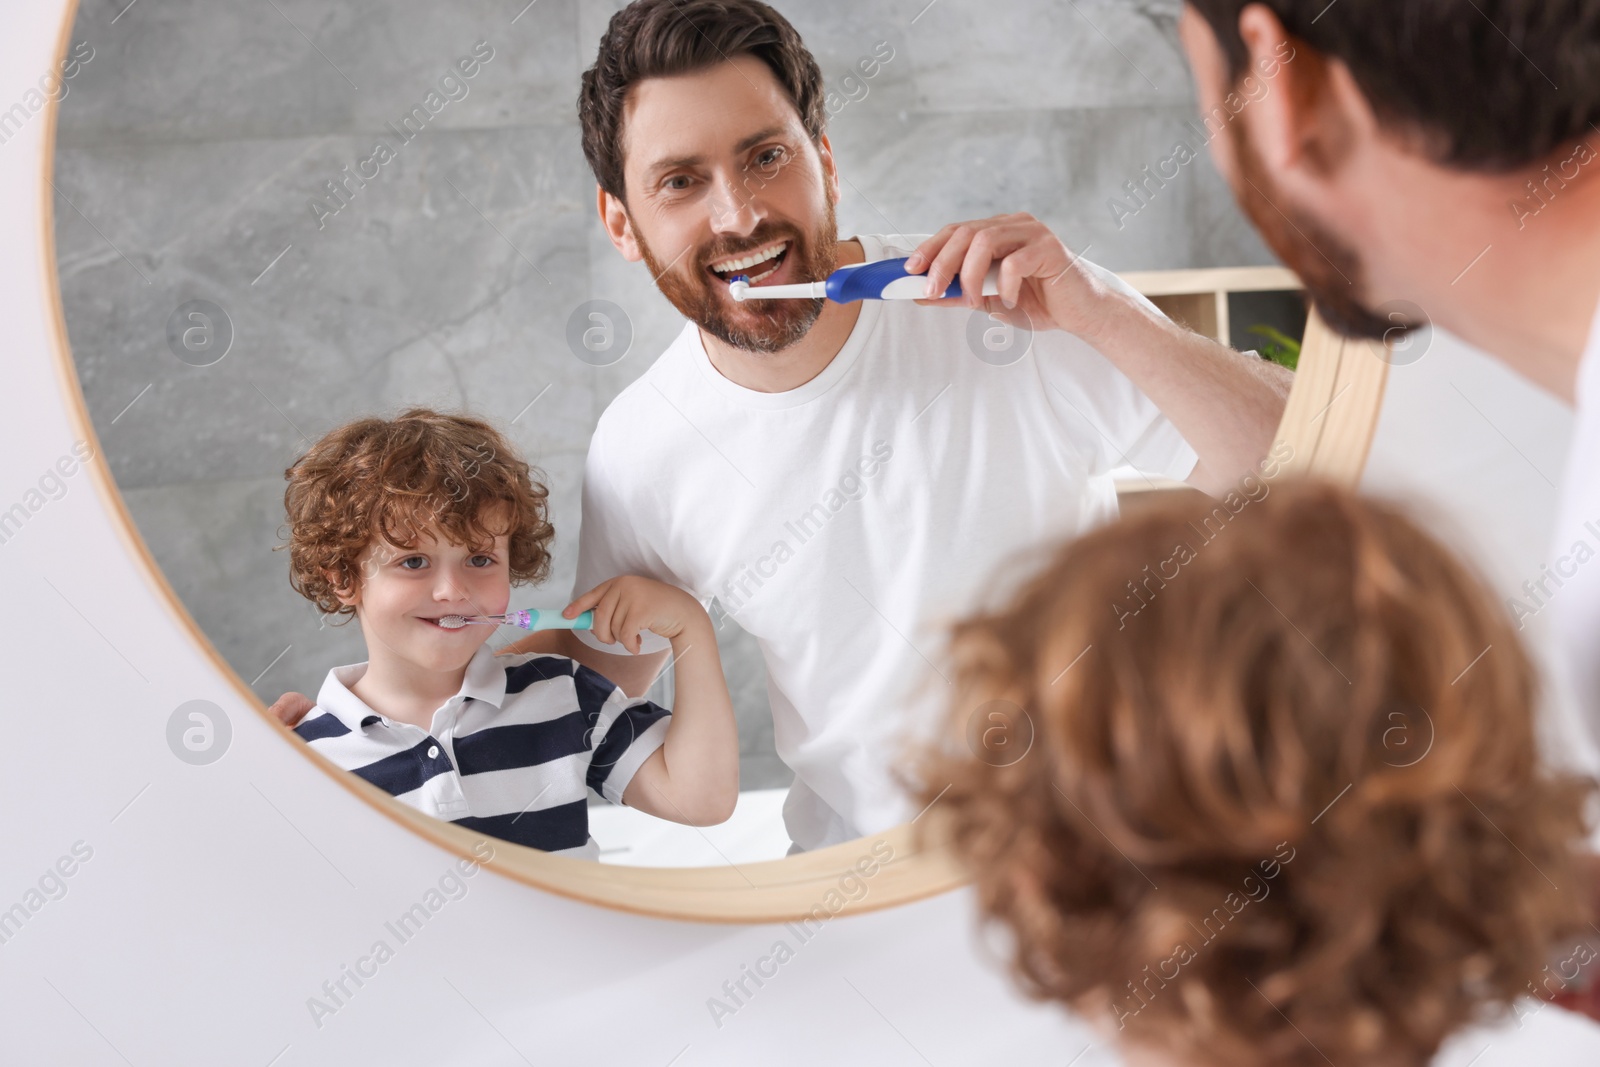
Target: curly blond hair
{"points": [[1264, 791], [396, 479]]}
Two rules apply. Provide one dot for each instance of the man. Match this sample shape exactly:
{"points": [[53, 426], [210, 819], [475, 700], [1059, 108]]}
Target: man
{"points": [[841, 477], [1438, 159], [844, 479]]}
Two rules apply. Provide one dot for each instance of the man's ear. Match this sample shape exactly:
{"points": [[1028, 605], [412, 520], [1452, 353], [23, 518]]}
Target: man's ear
{"points": [[614, 216], [1310, 114], [830, 170]]}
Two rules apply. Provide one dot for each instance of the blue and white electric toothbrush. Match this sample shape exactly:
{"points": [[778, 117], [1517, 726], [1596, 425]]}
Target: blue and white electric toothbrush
{"points": [[882, 279]]}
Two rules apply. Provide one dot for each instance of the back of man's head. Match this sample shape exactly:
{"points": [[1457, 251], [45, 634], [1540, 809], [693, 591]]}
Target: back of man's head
{"points": [[1485, 85]]}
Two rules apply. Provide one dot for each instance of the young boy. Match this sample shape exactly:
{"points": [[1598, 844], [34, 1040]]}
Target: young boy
{"points": [[1264, 798], [402, 522]]}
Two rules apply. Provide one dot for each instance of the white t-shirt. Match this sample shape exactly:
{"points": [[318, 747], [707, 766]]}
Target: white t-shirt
{"points": [[844, 522], [1575, 551]]}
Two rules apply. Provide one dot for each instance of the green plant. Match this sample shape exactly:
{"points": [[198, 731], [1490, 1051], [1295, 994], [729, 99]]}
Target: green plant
{"points": [[1278, 347]]}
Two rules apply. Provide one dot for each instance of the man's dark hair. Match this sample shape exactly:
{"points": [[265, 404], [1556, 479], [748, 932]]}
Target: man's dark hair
{"points": [[1489, 85], [661, 38]]}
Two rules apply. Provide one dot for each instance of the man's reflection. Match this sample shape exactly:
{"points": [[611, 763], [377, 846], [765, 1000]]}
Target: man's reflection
{"points": [[737, 467]]}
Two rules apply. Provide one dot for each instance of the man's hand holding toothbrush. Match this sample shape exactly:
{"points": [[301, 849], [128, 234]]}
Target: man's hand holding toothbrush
{"points": [[1226, 404], [1039, 276]]}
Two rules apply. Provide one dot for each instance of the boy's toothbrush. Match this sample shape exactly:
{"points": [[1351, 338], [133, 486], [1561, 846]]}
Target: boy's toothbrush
{"points": [[527, 619], [882, 279]]}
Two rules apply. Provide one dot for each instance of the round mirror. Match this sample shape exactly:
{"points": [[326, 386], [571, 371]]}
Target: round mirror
{"points": [[350, 210]]}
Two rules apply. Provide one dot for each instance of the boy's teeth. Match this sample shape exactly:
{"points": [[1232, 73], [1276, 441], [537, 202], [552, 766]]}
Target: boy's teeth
{"points": [[745, 262]]}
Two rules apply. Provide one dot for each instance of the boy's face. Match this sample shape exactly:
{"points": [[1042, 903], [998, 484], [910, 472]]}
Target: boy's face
{"points": [[403, 592]]}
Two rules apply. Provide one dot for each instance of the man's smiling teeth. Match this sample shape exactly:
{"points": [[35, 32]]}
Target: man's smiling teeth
{"points": [[746, 262], [757, 277]]}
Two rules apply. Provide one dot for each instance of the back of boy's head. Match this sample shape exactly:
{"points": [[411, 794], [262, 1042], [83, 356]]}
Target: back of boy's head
{"points": [[1308, 702], [394, 480]]}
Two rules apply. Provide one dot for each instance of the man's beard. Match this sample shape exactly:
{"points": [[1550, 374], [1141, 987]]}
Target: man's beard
{"points": [[757, 325], [1330, 269]]}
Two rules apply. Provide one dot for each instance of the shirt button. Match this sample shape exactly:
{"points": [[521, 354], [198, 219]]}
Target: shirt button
{"points": [[433, 751]]}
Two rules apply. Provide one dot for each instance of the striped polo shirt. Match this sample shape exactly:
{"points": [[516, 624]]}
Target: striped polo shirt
{"points": [[512, 755]]}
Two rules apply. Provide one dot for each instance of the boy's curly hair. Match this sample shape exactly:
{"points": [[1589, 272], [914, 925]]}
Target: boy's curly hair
{"points": [[1265, 795], [396, 479]]}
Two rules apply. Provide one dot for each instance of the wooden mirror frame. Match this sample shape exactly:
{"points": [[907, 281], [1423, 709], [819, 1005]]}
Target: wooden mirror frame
{"points": [[1329, 422]]}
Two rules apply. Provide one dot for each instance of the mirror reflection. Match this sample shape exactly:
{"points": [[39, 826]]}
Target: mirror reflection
{"points": [[392, 318]]}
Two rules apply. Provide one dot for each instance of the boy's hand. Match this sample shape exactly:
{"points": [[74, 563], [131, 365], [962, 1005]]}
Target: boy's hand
{"points": [[291, 708], [627, 604]]}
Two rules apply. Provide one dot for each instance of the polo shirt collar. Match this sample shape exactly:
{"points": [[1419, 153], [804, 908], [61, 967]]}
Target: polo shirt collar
{"points": [[485, 680]]}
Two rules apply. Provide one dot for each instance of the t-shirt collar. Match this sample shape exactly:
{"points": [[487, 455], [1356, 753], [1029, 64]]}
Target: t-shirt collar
{"points": [[1586, 393], [484, 680]]}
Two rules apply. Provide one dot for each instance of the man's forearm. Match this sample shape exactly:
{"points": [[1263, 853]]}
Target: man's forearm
{"points": [[1226, 404]]}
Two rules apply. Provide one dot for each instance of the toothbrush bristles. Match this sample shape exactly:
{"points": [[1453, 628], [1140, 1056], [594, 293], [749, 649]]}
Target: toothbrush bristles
{"points": [[455, 622]]}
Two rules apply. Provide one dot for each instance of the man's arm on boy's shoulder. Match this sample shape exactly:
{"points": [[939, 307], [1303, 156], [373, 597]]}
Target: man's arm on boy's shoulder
{"points": [[290, 708], [633, 674]]}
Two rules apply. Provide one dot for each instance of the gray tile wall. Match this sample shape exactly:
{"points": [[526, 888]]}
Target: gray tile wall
{"points": [[193, 141]]}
